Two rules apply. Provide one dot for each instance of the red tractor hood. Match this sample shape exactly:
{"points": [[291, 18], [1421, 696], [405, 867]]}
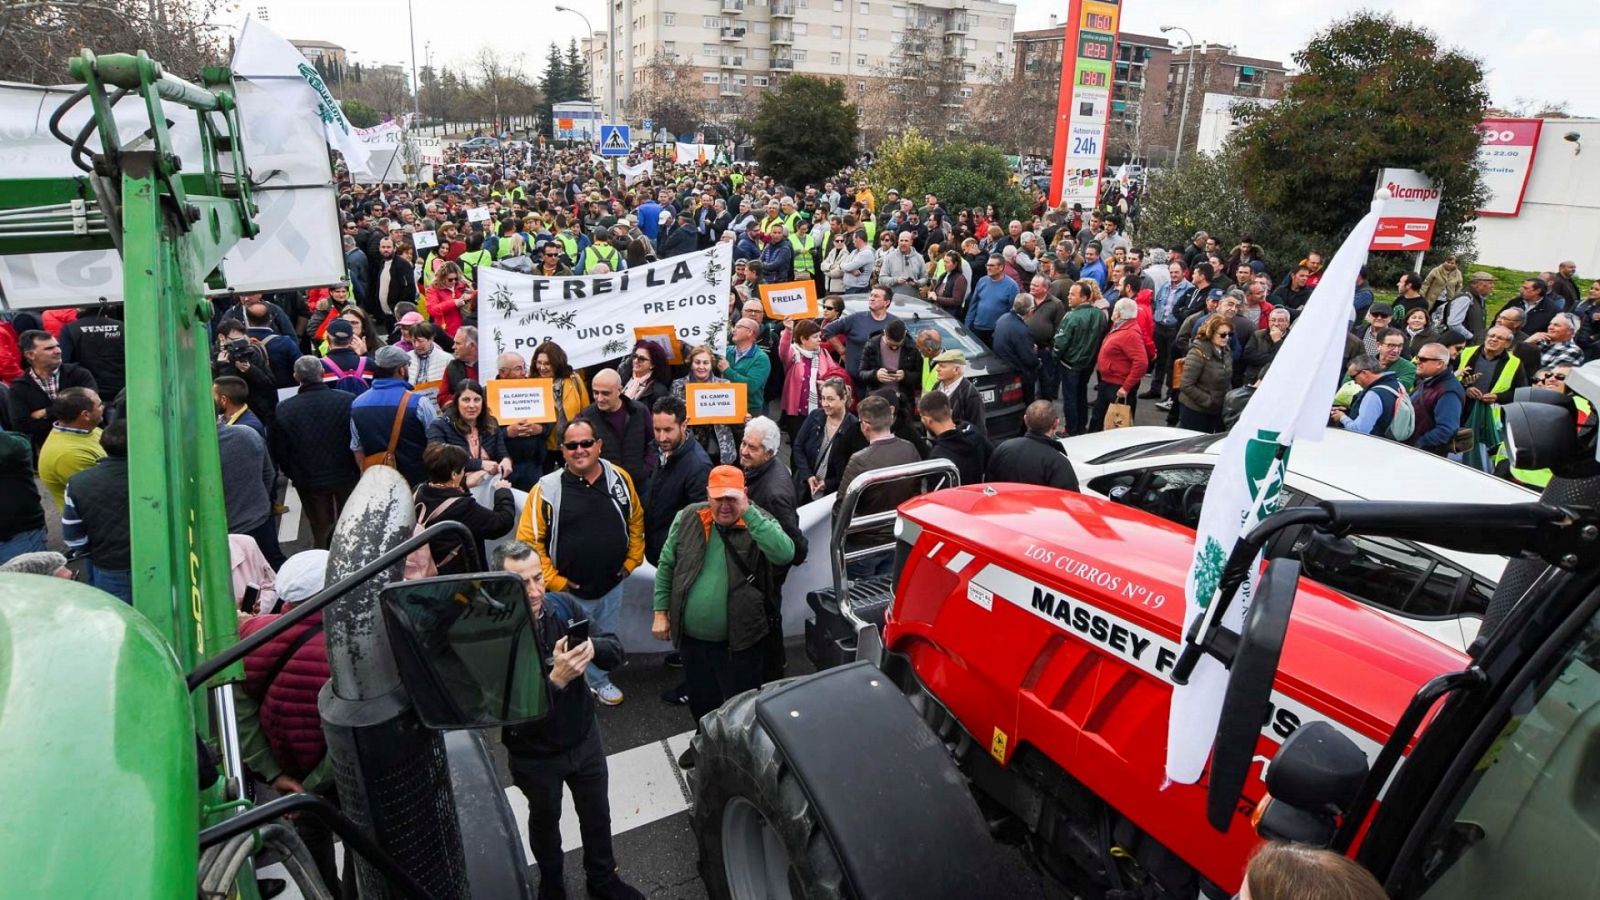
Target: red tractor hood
{"points": [[1049, 619]]}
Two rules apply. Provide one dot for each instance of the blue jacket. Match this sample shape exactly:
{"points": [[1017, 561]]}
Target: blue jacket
{"points": [[650, 219], [372, 419], [1013, 342], [990, 300], [355, 264], [1374, 408], [777, 262], [744, 248], [1095, 270], [1438, 402]]}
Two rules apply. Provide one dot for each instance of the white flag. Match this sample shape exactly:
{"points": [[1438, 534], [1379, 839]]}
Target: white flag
{"points": [[1246, 486], [285, 76]]}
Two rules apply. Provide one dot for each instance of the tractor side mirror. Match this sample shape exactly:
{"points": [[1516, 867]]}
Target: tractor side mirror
{"points": [[1324, 552], [1312, 780], [465, 648]]}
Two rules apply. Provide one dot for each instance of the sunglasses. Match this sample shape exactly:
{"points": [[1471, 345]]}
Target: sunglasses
{"points": [[1437, 359], [1555, 378], [1224, 334], [641, 357], [584, 444]]}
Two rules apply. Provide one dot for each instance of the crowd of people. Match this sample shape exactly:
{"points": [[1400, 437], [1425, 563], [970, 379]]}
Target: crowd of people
{"points": [[311, 387]]}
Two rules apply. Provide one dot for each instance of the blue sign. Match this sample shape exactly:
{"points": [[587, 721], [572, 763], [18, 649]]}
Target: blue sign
{"points": [[614, 140], [648, 123]]}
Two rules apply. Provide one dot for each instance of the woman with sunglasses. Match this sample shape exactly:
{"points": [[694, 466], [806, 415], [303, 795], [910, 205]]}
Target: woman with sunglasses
{"points": [[450, 299], [716, 439], [1207, 377], [570, 393], [833, 263], [650, 378]]}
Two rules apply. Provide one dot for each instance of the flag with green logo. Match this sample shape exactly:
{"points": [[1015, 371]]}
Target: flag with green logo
{"points": [[284, 74], [1292, 403]]}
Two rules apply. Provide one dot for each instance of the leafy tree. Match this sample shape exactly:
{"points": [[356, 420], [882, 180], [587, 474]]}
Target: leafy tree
{"points": [[1373, 93], [1202, 192], [961, 173], [805, 131], [360, 114]]}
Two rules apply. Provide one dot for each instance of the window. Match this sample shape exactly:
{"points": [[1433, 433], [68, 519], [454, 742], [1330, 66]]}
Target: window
{"points": [[670, 48], [763, 27], [800, 28], [759, 80], [899, 12], [739, 80], [1174, 494], [669, 18], [711, 22], [971, 43], [838, 5], [1398, 576], [799, 56], [708, 77], [710, 50], [966, 92], [1534, 781], [861, 34], [861, 59], [865, 8], [1247, 75], [861, 87], [837, 32], [758, 53], [835, 58]]}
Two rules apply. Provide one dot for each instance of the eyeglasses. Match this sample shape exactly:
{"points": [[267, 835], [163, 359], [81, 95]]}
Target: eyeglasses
{"points": [[584, 444], [641, 357], [1555, 378], [1437, 359], [1224, 334]]}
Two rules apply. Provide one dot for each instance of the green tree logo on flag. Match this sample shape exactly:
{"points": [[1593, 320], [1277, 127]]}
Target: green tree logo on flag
{"points": [[1265, 461]]}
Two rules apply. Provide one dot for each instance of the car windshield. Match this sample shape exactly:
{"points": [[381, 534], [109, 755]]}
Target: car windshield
{"points": [[953, 336], [1200, 443]]}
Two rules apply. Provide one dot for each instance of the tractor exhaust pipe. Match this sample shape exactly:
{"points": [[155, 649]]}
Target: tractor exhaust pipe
{"points": [[393, 777]]}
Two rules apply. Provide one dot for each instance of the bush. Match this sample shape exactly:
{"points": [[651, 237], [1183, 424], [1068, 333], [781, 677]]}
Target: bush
{"points": [[961, 173], [360, 114], [1203, 193], [805, 131]]}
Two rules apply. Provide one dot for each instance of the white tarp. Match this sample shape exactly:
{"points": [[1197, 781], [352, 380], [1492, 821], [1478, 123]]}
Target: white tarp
{"points": [[594, 317], [290, 81], [299, 245], [385, 163]]}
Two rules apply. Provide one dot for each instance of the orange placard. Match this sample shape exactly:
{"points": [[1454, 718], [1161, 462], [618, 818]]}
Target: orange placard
{"points": [[716, 404], [513, 400], [664, 336], [791, 300], [431, 388]]}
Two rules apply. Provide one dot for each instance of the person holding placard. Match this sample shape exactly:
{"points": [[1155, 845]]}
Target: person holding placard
{"points": [[717, 440], [465, 423], [649, 381], [748, 364], [568, 389]]}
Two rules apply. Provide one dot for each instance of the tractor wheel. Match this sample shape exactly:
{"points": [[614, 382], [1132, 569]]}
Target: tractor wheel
{"points": [[758, 834]]}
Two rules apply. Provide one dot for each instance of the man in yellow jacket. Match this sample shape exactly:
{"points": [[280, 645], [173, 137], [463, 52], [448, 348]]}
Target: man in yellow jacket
{"points": [[588, 526]]}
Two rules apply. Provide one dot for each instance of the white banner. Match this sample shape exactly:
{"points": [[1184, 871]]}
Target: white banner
{"points": [[429, 149], [630, 174], [385, 163], [299, 243], [596, 318], [698, 154]]}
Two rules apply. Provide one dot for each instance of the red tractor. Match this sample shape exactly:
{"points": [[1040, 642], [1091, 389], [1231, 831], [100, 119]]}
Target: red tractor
{"points": [[1013, 684]]}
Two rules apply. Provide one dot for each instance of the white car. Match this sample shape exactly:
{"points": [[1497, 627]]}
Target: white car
{"points": [[1439, 592]]}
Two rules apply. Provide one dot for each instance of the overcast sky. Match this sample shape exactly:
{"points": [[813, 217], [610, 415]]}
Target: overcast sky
{"points": [[1542, 50]]}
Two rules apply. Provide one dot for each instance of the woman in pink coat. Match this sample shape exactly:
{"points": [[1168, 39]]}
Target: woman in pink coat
{"points": [[806, 365], [450, 298]]}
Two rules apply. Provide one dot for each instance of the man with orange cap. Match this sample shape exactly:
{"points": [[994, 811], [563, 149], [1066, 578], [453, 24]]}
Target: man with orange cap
{"points": [[713, 584]]}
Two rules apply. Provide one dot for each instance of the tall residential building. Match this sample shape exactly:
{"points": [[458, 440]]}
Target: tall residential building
{"points": [[1148, 87], [739, 47]]}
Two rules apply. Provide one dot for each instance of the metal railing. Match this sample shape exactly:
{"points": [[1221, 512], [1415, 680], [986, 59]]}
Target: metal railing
{"points": [[931, 474]]}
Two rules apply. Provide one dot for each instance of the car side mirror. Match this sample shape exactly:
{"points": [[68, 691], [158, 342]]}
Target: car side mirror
{"points": [[466, 651], [1312, 780]]}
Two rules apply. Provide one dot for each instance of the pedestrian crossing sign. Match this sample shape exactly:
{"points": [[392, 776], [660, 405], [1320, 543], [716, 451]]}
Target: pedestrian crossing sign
{"points": [[614, 140]]}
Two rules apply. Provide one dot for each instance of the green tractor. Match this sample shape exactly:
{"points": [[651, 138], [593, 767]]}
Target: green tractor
{"points": [[117, 722]]}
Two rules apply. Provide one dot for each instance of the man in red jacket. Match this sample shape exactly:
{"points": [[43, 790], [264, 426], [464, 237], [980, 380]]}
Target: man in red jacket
{"points": [[1121, 364]]}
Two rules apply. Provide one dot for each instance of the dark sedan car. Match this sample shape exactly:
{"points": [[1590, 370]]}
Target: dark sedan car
{"points": [[996, 380]]}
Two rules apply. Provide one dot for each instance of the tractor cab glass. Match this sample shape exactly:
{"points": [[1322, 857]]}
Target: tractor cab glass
{"points": [[1526, 823], [466, 650]]}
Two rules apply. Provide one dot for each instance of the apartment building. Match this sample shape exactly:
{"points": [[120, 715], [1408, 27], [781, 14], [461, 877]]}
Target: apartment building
{"points": [[739, 46], [1150, 80]]}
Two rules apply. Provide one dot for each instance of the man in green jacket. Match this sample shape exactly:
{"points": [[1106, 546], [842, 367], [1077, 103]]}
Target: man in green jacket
{"points": [[748, 364], [1077, 345], [712, 585]]}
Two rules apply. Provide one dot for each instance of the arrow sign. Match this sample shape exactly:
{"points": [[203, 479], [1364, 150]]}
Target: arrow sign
{"points": [[614, 140], [1399, 241]]}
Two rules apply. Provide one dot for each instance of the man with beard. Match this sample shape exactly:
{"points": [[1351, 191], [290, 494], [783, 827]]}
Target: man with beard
{"points": [[393, 281]]}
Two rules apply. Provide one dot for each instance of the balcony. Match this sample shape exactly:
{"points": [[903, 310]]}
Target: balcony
{"points": [[733, 32], [957, 25], [782, 36], [733, 6], [729, 89], [782, 64], [732, 62], [784, 8], [957, 49]]}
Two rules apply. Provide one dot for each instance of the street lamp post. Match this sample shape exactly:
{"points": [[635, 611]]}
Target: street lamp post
{"points": [[594, 91], [416, 86], [1188, 77]]}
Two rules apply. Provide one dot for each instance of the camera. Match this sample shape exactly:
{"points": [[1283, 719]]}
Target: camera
{"points": [[237, 348]]}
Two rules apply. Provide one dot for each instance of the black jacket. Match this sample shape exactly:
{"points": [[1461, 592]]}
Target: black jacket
{"points": [[676, 241], [27, 396], [100, 495], [571, 714], [808, 453], [486, 524], [627, 449], [770, 487], [1033, 459], [20, 509], [95, 342], [311, 441], [963, 446], [966, 405], [909, 362], [669, 487], [263, 399]]}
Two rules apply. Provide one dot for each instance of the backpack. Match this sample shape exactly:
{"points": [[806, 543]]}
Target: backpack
{"points": [[420, 562], [1403, 422], [349, 382]]}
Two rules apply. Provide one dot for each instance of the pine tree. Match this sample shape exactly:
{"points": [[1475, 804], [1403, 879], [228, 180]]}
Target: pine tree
{"points": [[553, 86]]}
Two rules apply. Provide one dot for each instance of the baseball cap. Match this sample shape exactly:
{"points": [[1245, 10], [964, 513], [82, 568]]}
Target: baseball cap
{"points": [[725, 481], [340, 328], [410, 318], [1381, 311]]}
